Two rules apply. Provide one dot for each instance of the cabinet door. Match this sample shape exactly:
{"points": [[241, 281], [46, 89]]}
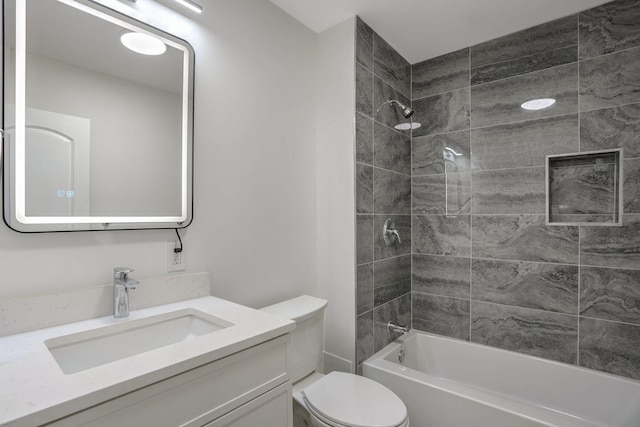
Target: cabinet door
{"points": [[272, 409]]}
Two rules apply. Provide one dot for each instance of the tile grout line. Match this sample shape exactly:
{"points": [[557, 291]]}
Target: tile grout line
{"points": [[355, 194], [604, 54], [472, 86], [389, 258], [374, 121], [382, 79], [578, 60], [383, 214], [504, 260], [373, 210], [411, 203], [477, 171], [618, 322], [384, 169], [528, 73], [388, 127], [470, 208], [626, 104], [443, 93], [613, 225], [579, 228], [373, 207], [443, 133], [515, 122], [537, 310], [358, 315], [579, 292], [511, 60]]}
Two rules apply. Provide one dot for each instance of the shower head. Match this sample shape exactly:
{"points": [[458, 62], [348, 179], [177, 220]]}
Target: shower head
{"points": [[406, 111]]}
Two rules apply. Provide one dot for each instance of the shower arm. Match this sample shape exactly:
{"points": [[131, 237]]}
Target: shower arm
{"points": [[406, 111], [389, 101]]}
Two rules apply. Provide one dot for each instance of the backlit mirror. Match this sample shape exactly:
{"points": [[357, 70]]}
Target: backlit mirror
{"points": [[97, 120]]}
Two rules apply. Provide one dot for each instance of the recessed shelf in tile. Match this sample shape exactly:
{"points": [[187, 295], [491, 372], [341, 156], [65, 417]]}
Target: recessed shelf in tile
{"points": [[584, 188]]}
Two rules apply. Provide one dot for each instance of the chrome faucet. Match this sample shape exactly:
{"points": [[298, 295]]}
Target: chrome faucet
{"points": [[121, 285]]}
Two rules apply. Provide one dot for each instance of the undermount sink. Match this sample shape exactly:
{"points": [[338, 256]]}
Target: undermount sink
{"points": [[88, 349]]}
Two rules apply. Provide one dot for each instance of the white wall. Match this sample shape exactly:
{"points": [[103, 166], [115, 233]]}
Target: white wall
{"points": [[254, 222], [335, 134], [255, 160]]}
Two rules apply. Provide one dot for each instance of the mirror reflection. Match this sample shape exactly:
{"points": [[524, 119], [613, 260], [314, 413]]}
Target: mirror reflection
{"points": [[97, 119]]}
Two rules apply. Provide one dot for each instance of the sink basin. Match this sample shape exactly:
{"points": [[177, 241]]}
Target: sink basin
{"points": [[88, 349]]}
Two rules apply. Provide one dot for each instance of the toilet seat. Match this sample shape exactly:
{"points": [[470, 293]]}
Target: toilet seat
{"points": [[346, 400]]}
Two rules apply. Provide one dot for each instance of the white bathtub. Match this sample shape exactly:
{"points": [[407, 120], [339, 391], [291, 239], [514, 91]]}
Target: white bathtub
{"points": [[451, 383]]}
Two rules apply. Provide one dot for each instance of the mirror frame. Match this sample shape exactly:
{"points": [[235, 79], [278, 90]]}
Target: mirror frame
{"points": [[14, 162]]}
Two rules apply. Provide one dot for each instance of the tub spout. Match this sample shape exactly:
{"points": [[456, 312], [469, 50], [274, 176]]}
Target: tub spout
{"points": [[392, 327]]}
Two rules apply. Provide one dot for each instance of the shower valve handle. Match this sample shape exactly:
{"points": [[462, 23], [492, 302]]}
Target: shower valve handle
{"points": [[390, 233]]}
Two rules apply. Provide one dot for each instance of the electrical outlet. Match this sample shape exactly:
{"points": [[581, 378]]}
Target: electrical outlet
{"points": [[175, 260]]}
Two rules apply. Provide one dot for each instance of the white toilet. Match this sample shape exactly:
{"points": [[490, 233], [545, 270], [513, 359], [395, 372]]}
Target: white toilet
{"points": [[337, 399]]}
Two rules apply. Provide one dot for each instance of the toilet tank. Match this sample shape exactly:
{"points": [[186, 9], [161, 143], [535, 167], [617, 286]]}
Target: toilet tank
{"points": [[306, 353]]}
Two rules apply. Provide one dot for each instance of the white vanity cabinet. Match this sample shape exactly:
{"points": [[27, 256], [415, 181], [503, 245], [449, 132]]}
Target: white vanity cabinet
{"points": [[247, 389], [272, 409]]}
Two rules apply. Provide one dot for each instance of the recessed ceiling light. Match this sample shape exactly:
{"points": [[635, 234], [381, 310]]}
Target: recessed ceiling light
{"points": [[538, 104], [407, 126], [143, 43]]}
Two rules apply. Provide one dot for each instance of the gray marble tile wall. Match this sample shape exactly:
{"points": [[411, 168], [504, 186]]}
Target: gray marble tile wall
{"points": [[383, 190], [485, 267]]}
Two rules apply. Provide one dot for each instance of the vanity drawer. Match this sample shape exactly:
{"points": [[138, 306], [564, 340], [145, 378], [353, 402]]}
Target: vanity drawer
{"points": [[272, 409], [196, 397]]}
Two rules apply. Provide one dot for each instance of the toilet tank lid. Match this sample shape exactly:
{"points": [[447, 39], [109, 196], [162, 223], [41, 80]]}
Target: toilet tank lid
{"points": [[297, 309]]}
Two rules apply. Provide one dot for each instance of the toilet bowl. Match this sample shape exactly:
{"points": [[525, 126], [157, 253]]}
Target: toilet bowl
{"points": [[337, 399]]}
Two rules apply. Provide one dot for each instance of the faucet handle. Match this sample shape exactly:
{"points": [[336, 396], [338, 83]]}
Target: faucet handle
{"points": [[131, 284], [122, 272], [390, 233]]}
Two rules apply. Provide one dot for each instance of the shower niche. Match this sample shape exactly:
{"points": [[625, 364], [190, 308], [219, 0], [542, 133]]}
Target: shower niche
{"points": [[584, 188]]}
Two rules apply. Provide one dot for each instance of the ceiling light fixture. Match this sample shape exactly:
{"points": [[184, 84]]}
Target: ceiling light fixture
{"points": [[538, 104], [190, 5], [143, 43], [407, 126]]}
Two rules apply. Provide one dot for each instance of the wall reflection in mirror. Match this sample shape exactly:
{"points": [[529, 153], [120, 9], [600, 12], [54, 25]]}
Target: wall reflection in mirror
{"points": [[98, 120]]}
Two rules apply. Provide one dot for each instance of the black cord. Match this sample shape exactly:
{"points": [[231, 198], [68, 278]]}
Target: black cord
{"points": [[178, 250], [1, 152]]}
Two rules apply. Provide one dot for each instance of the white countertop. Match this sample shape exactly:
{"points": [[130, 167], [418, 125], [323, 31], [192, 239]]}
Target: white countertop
{"points": [[34, 390]]}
